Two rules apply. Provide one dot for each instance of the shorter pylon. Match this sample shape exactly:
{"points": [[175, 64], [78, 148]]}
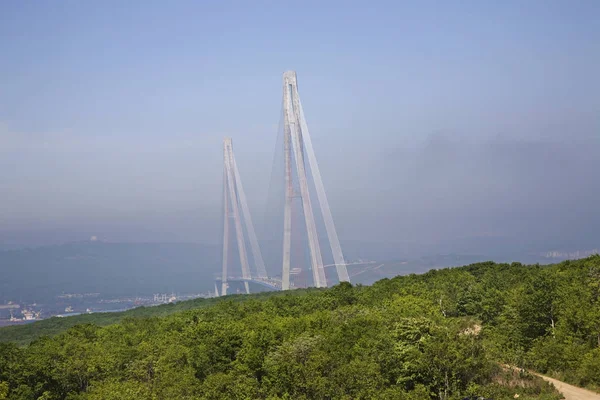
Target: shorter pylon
{"points": [[235, 207]]}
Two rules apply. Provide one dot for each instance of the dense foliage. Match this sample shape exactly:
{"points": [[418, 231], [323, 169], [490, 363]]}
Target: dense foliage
{"points": [[440, 335], [24, 334]]}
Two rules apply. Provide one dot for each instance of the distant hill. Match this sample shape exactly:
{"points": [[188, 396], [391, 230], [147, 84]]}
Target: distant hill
{"points": [[128, 269], [113, 269], [125, 269]]}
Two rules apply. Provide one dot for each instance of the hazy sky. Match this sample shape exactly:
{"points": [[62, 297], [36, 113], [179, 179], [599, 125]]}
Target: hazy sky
{"points": [[430, 119]]}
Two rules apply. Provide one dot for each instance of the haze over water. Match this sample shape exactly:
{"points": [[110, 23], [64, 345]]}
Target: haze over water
{"points": [[432, 122]]}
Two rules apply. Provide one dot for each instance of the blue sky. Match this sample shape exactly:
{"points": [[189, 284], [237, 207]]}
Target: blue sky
{"points": [[112, 113]]}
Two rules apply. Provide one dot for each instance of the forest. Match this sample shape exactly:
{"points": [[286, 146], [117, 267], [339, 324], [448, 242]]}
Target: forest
{"points": [[446, 334]]}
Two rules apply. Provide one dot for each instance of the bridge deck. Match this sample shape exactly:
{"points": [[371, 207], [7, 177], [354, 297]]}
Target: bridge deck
{"points": [[269, 283]]}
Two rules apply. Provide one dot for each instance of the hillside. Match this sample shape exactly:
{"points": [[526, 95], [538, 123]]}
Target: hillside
{"points": [[25, 334], [438, 335]]}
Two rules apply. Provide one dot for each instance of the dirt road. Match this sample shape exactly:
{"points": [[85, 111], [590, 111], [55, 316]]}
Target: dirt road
{"points": [[571, 392]]}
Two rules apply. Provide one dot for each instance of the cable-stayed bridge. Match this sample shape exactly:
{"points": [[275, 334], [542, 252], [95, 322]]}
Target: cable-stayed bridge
{"points": [[303, 182]]}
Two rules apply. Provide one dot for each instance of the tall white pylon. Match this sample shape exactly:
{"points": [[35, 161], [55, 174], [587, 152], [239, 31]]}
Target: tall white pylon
{"points": [[234, 198], [296, 142]]}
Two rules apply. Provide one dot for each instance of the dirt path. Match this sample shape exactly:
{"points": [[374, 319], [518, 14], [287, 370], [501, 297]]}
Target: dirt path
{"points": [[571, 392]]}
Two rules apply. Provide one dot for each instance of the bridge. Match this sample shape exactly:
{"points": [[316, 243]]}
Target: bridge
{"points": [[269, 283], [302, 182], [275, 284]]}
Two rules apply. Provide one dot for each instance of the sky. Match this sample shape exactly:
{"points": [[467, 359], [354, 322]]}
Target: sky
{"points": [[431, 120]]}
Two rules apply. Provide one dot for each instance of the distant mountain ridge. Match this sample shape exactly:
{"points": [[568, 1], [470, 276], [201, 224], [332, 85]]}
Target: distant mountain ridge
{"points": [[127, 269], [113, 269]]}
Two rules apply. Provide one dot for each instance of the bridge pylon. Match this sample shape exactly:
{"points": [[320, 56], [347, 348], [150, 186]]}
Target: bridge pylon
{"points": [[297, 144], [235, 209]]}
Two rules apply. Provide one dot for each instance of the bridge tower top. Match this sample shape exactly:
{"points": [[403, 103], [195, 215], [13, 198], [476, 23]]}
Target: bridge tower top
{"points": [[290, 78]]}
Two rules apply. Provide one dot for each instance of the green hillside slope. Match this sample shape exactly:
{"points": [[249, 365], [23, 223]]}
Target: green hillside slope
{"points": [[24, 334], [440, 335]]}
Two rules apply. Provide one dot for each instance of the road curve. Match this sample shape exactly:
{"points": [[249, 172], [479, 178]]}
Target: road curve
{"points": [[571, 392]]}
